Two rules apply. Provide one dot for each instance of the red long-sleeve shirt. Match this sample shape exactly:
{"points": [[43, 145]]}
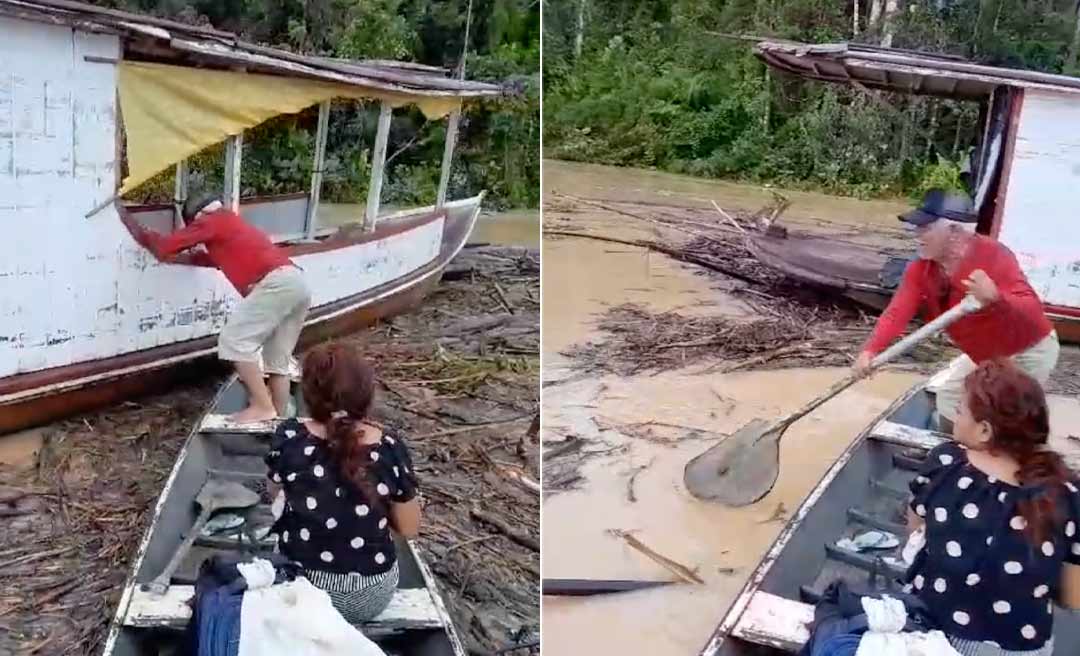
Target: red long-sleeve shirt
{"points": [[1013, 323], [240, 250]]}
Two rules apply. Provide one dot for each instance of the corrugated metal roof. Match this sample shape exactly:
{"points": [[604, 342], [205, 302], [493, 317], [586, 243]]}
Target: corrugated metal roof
{"points": [[168, 41], [904, 71]]}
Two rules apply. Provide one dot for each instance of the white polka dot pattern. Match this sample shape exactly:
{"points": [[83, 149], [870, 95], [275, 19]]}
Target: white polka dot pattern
{"points": [[1070, 528], [362, 510], [318, 471], [971, 511], [952, 548], [383, 489], [382, 523], [1013, 567], [1041, 591], [941, 514], [290, 434], [1002, 607], [961, 618], [374, 456], [920, 510], [331, 523], [945, 459], [311, 503], [326, 557], [973, 579], [1028, 632], [1018, 523], [291, 477], [309, 449], [964, 482], [940, 585], [919, 582], [356, 543], [1048, 549], [305, 534], [380, 558]]}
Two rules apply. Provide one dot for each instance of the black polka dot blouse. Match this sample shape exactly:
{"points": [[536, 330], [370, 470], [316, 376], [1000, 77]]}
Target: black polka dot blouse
{"points": [[982, 578], [328, 522]]}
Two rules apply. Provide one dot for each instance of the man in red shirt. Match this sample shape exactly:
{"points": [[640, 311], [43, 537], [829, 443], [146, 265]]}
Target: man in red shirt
{"points": [[954, 261], [275, 297]]}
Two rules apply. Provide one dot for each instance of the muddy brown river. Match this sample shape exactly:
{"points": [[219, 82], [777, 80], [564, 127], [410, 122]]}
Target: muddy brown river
{"points": [[580, 279]]}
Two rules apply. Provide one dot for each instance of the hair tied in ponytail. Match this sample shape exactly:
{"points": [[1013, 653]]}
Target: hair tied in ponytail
{"points": [[339, 414]]}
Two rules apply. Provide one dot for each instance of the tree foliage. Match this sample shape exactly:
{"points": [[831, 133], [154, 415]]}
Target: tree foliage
{"points": [[498, 143], [664, 84]]}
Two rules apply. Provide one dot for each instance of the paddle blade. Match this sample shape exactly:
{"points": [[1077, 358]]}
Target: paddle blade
{"points": [[216, 494], [738, 471]]}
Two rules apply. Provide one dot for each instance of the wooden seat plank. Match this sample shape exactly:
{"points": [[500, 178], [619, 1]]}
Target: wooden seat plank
{"points": [[776, 622]]}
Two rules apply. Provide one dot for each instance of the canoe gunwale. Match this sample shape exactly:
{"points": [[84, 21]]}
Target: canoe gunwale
{"points": [[129, 585], [733, 615]]}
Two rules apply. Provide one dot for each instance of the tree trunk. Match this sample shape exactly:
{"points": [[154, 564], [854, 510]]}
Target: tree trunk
{"points": [[889, 23], [855, 19], [875, 14], [579, 36], [1074, 47]]}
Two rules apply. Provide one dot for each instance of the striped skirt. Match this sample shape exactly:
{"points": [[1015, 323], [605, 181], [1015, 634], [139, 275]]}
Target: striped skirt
{"points": [[358, 598], [979, 648]]}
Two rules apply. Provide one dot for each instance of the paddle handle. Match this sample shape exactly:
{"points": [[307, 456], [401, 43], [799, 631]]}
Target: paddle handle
{"points": [[160, 584], [966, 306]]}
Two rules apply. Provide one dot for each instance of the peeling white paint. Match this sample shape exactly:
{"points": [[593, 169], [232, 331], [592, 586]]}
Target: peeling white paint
{"points": [[1041, 223], [74, 289]]}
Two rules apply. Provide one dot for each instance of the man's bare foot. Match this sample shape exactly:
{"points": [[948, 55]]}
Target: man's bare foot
{"points": [[253, 414]]}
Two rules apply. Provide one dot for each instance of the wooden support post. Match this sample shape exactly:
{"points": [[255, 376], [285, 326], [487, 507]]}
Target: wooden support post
{"points": [[234, 151], [317, 171], [180, 193], [447, 157], [378, 163]]}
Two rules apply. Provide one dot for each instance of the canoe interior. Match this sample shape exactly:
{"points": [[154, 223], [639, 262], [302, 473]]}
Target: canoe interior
{"points": [[869, 492], [239, 457]]}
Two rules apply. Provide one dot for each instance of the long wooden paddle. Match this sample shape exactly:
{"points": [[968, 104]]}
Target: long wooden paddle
{"points": [[744, 467]]}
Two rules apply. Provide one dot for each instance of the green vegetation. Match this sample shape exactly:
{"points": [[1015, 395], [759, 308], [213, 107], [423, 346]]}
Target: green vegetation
{"points": [[499, 141], [654, 85]]}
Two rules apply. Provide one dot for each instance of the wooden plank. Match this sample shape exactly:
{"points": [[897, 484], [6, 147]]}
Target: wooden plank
{"points": [[776, 622], [215, 423], [317, 170], [378, 166], [409, 609], [909, 436], [447, 158]]}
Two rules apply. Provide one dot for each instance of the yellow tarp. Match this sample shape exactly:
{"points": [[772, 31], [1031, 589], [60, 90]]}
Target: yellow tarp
{"points": [[171, 112]]}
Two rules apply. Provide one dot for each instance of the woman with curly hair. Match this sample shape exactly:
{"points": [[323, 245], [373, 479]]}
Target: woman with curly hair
{"points": [[347, 483], [1000, 513]]}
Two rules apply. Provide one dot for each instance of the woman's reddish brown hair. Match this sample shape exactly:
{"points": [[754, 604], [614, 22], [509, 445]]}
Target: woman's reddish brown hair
{"points": [[1014, 405], [338, 386]]}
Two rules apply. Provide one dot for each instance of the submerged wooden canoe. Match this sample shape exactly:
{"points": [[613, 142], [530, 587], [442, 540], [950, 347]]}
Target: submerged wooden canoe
{"points": [[865, 274], [866, 488], [415, 624]]}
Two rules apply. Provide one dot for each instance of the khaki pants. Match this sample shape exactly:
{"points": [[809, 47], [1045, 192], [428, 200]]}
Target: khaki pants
{"points": [[269, 320], [1038, 361]]}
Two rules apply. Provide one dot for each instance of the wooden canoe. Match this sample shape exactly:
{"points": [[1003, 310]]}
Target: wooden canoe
{"points": [[357, 277], [415, 624], [866, 488], [863, 273]]}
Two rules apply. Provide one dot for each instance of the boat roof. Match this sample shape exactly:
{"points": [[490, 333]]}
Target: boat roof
{"points": [[160, 40], [904, 71]]}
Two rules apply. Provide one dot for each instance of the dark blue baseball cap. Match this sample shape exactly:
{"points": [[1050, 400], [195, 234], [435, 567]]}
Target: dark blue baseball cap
{"points": [[941, 204]]}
